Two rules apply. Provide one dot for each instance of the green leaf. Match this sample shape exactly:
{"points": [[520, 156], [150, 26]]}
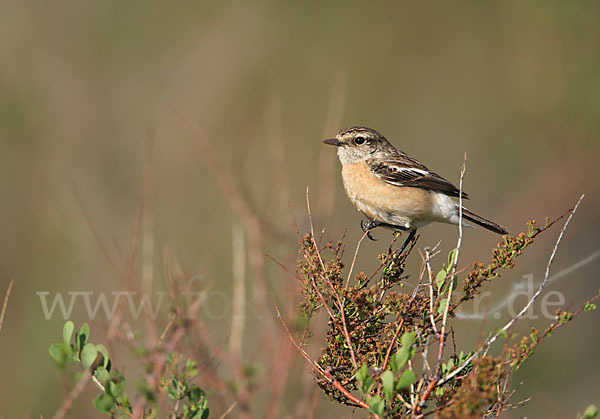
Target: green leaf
{"points": [[190, 364], [408, 338], [102, 375], [454, 282], [376, 406], [387, 381], [84, 335], [113, 389], [125, 404], [197, 412], [104, 352], [590, 413], [88, 355], [589, 307], [406, 352], [451, 257], [363, 378], [68, 332], [440, 278], [203, 414], [190, 369], [104, 403], [61, 353], [447, 367], [399, 359], [361, 373], [442, 305], [407, 378], [196, 394], [173, 390]]}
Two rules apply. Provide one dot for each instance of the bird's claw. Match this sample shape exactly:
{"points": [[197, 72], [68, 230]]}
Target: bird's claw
{"points": [[368, 225]]}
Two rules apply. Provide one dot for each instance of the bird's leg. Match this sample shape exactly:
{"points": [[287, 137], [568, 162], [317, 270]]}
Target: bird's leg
{"points": [[369, 225], [411, 235], [398, 252], [392, 260]]}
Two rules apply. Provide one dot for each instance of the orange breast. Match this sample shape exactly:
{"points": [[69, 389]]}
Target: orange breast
{"points": [[381, 201]]}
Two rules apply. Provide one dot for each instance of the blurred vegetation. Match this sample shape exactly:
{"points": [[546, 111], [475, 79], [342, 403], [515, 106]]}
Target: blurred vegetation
{"points": [[86, 84]]}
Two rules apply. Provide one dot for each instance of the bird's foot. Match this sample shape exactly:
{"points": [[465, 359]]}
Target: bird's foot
{"points": [[368, 225]]}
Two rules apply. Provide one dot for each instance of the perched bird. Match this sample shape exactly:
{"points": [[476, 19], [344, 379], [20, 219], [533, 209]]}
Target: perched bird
{"points": [[394, 190]]}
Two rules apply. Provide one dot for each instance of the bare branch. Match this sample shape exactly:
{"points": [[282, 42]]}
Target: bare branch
{"points": [[508, 325], [354, 258], [6, 297]]}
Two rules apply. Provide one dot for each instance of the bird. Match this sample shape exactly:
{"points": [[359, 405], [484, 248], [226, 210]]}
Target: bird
{"points": [[394, 190]]}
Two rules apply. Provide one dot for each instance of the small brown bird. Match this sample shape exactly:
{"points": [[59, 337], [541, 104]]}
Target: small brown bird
{"points": [[394, 190]]}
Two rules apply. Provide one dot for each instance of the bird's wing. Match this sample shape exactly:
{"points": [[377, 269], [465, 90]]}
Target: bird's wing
{"points": [[402, 170]]}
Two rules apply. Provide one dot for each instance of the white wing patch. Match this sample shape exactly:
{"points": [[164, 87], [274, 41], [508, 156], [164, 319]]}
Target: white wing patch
{"points": [[409, 169], [409, 173]]}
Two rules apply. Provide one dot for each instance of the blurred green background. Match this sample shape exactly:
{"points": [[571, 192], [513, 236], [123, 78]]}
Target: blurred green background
{"points": [[83, 83]]}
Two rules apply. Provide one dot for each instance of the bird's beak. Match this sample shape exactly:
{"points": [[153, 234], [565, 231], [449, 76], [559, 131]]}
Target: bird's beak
{"points": [[333, 141]]}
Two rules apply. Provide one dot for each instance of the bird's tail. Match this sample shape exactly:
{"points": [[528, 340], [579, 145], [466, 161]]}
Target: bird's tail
{"points": [[487, 224]]}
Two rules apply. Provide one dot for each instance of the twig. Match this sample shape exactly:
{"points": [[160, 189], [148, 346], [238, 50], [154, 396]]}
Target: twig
{"points": [[166, 329], [338, 386], [335, 292], [391, 345], [6, 297], [389, 255], [282, 266], [325, 305], [432, 384], [493, 338], [399, 327], [516, 287], [346, 334], [325, 373], [302, 352], [559, 324], [312, 231], [248, 219], [324, 302], [354, 258], [228, 411], [454, 263], [426, 366], [73, 395], [427, 261], [127, 275], [238, 316], [147, 244], [533, 235]]}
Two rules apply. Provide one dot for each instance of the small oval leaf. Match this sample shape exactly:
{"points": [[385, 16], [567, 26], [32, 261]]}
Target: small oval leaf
{"points": [[68, 332], [84, 334], [88, 355], [387, 381], [399, 359], [407, 378]]}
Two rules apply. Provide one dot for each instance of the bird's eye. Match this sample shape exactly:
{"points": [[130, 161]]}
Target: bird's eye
{"points": [[359, 140]]}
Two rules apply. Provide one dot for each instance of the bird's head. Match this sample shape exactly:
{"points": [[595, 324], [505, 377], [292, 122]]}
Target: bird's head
{"points": [[358, 143]]}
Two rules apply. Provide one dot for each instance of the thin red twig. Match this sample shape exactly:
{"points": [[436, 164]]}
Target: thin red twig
{"points": [[325, 373]]}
